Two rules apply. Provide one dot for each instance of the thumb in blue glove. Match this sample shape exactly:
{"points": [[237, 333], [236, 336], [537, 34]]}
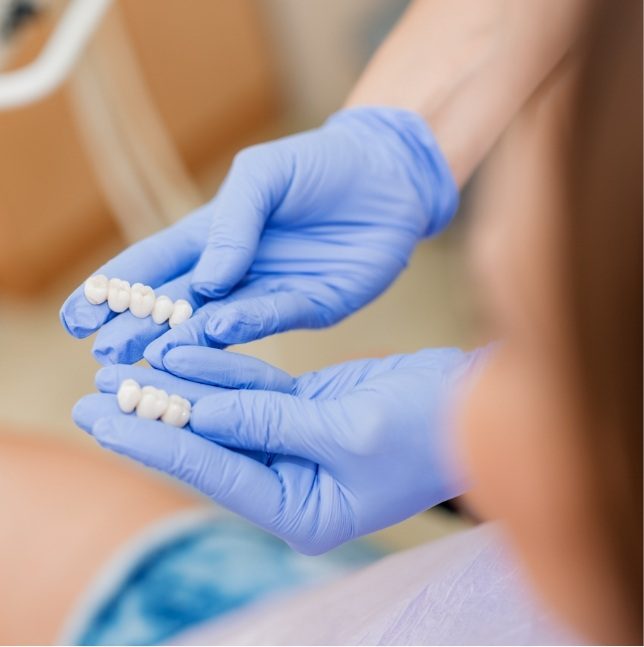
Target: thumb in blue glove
{"points": [[338, 453], [329, 216]]}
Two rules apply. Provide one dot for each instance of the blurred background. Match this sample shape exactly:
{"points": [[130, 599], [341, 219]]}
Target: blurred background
{"points": [[141, 132]]}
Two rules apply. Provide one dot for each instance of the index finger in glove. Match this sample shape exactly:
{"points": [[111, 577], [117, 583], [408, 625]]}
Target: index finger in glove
{"points": [[227, 369], [109, 379], [152, 261]]}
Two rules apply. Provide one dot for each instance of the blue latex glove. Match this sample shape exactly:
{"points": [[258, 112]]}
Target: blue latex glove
{"points": [[340, 452], [304, 231]]}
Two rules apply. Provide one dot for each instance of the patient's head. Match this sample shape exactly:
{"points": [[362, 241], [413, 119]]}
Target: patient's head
{"points": [[553, 427]]}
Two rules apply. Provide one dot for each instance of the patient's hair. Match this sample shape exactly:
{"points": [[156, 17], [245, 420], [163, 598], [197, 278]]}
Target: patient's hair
{"points": [[602, 186]]}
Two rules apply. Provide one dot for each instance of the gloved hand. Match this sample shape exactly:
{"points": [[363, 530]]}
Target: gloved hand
{"points": [[341, 452], [304, 231]]}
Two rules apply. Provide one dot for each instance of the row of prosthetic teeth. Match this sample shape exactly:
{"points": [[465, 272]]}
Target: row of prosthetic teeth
{"points": [[139, 298], [153, 404]]}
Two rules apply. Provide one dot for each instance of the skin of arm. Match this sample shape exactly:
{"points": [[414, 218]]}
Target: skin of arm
{"points": [[468, 66]]}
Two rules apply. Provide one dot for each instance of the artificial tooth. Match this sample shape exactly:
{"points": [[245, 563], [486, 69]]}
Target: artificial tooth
{"points": [[118, 295], [153, 403], [129, 395], [177, 413], [162, 309], [141, 300], [182, 311], [96, 288]]}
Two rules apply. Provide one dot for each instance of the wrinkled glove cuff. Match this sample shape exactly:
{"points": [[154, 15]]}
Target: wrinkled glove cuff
{"points": [[414, 145]]}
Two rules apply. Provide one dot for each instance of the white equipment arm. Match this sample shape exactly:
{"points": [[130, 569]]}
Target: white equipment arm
{"points": [[49, 70]]}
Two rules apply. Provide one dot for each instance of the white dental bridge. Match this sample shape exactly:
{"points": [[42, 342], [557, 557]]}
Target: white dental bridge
{"points": [[139, 298], [153, 404]]}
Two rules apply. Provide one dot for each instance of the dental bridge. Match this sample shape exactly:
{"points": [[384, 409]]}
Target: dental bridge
{"points": [[153, 404], [138, 298]]}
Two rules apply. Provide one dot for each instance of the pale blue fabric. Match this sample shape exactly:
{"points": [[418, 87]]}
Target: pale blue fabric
{"points": [[465, 589], [208, 570]]}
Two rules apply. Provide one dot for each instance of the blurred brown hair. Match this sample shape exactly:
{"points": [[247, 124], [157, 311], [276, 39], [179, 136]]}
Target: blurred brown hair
{"points": [[603, 193]]}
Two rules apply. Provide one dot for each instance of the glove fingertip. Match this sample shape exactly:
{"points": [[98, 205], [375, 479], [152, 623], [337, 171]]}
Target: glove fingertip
{"points": [[155, 352], [106, 379], [207, 278], [78, 416], [216, 326], [77, 321], [231, 336], [84, 411], [236, 327], [208, 289], [67, 325], [220, 268], [173, 361]]}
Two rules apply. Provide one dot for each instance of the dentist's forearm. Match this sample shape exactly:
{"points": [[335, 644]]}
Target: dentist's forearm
{"points": [[467, 66]]}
